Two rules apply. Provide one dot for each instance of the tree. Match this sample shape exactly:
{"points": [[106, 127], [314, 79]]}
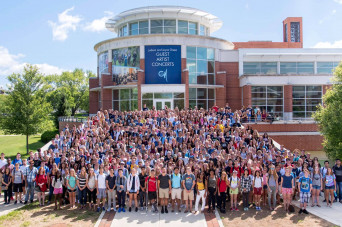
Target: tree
{"points": [[329, 117], [25, 110]]}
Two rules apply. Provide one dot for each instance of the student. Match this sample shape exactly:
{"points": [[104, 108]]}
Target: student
{"points": [[234, 184], [305, 187], [317, 185], [189, 182], [257, 189], [246, 183], [30, 178], [7, 185], [176, 193], [264, 185], [133, 185], [222, 184], [287, 187], [121, 186], [71, 184], [82, 187], [91, 188], [101, 189], [211, 190], [57, 183], [151, 184], [142, 191], [51, 174], [337, 169], [272, 187], [111, 189], [18, 178], [201, 188], [330, 186], [164, 186], [41, 181]]}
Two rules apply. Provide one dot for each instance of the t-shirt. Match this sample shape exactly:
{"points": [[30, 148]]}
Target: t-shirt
{"points": [[234, 182], [91, 182], [72, 182], [3, 163], [142, 180], [163, 181], [338, 173], [188, 180], [111, 181], [305, 184], [329, 180], [17, 176], [101, 181], [287, 181], [151, 181], [176, 180]]}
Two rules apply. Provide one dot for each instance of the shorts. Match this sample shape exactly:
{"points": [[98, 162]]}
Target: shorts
{"points": [[71, 190], [329, 187], [102, 193], [188, 195], [304, 197], [257, 191], [287, 191], [152, 195], [234, 191], [57, 191], [17, 187], [264, 187], [176, 193], [163, 193], [132, 191], [316, 187]]}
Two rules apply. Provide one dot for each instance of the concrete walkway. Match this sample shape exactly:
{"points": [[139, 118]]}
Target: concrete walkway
{"points": [[333, 214]]}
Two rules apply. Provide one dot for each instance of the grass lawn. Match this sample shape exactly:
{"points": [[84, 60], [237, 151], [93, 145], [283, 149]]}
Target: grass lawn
{"points": [[11, 145], [33, 215]]}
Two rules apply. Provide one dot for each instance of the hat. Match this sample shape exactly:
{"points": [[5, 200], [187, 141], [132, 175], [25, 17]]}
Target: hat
{"points": [[122, 163]]}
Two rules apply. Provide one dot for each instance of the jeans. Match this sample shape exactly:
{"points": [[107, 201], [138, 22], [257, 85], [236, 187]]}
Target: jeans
{"points": [[245, 197], [142, 197], [339, 189], [82, 196], [221, 202], [121, 199], [111, 196], [198, 197], [29, 191], [211, 199], [272, 193], [50, 192], [7, 195]]}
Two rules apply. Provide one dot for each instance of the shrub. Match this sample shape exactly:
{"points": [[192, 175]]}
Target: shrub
{"points": [[48, 135]]}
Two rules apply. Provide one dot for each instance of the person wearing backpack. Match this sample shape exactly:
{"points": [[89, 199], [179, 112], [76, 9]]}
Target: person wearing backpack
{"points": [[222, 184], [18, 178], [246, 183], [151, 185], [176, 191]]}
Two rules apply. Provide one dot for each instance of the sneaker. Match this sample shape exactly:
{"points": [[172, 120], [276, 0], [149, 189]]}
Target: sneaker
{"points": [[98, 209], [108, 209], [130, 209], [15, 202], [25, 202], [236, 209], [119, 210], [166, 211], [141, 208], [162, 210], [31, 201], [103, 208], [123, 210], [136, 209], [300, 211], [305, 211], [231, 209], [21, 201]]}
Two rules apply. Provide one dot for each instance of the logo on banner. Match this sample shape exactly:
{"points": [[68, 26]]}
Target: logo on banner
{"points": [[163, 74]]}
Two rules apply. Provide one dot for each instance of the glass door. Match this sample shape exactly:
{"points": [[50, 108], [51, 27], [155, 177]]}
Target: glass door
{"points": [[161, 103]]}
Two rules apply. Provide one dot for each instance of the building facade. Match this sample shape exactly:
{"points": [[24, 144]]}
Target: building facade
{"points": [[166, 55]]}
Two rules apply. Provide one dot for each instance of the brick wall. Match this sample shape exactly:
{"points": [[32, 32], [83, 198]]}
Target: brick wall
{"points": [[247, 95], [266, 44], [93, 102], [221, 79], [306, 142], [288, 98], [285, 127], [93, 82], [185, 80]]}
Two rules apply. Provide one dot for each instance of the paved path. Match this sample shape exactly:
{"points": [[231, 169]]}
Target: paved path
{"points": [[5, 209], [333, 214]]}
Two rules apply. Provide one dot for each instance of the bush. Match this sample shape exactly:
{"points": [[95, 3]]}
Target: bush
{"points": [[47, 136]]}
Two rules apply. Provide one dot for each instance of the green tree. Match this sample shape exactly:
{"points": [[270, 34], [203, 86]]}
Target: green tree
{"points": [[26, 110], [329, 117]]}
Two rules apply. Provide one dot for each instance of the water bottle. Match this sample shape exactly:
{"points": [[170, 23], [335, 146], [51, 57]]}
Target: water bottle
{"points": [[335, 194]]}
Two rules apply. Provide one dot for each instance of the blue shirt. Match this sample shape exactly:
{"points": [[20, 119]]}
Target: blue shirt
{"points": [[176, 180], [305, 184], [287, 181]]}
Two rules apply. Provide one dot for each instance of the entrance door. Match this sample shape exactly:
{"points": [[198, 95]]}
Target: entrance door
{"points": [[161, 103]]}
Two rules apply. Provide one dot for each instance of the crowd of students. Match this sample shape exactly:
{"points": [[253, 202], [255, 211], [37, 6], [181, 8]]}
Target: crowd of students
{"points": [[168, 159]]}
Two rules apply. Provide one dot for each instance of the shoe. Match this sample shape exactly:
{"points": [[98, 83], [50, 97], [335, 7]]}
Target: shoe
{"points": [[31, 201], [108, 209], [114, 209], [236, 209], [123, 210], [15, 202], [162, 210], [340, 201], [305, 211], [141, 208], [335, 200], [25, 202], [21, 202], [49, 202], [136, 209], [119, 210], [130, 209], [103, 208], [166, 211], [98, 209], [231, 209], [324, 200], [300, 211]]}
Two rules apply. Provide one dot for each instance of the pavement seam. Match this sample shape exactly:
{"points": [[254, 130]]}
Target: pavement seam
{"points": [[218, 218], [99, 219]]}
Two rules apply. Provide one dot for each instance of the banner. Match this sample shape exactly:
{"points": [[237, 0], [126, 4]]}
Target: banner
{"points": [[163, 64]]}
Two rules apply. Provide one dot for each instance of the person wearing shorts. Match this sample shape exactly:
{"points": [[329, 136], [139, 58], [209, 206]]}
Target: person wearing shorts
{"points": [[287, 186], [18, 177], [234, 183], [164, 185], [176, 194], [189, 182], [101, 189], [305, 187], [151, 184], [57, 183], [71, 184], [257, 189]]}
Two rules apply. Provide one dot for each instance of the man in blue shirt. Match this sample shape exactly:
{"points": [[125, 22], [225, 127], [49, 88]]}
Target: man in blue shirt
{"points": [[17, 159], [176, 192], [304, 186]]}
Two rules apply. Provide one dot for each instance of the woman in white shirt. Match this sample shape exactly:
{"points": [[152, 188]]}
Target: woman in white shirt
{"points": [[257, 189], [133, 185]]}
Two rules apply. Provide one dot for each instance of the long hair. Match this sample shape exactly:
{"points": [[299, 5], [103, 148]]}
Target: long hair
{"points": [[275, 175]]}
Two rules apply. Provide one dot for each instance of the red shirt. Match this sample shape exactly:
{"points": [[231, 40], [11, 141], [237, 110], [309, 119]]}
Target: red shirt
{"points": [[152, 183], [42, 179], [222, 185]]}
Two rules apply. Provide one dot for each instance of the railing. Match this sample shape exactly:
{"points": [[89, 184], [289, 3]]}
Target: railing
{"points": [[72, 119]]}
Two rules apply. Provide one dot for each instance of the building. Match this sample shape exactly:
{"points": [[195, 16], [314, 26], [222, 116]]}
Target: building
{"points": [[166, 55]]}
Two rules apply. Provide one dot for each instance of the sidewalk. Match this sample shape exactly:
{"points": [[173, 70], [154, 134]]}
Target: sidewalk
{"points": [[5, 209], [332, 214]]}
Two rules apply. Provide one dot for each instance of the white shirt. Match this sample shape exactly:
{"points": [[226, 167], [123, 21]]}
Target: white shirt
{"points": [[257, 182], [101, 181], [3, 163]]}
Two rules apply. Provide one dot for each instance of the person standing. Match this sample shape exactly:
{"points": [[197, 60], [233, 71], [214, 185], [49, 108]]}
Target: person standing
{"points": [[110, 185], [176, 193], [317, 185], [18, 178], [101, 189], [222, 184], [30, 178], [142, 191], [211, 190], [337, 169], [330, 186], [71, 184], [133, 185], [151, 185], [82, 187], [57, 183], [246, 183], [305, 187], [287, 186], [164, 186], [234, 184], [272, 185], [257, 189], [189, 182], [121, 186], [91, 187], [41, 181], [201, 187], [7, 185]]}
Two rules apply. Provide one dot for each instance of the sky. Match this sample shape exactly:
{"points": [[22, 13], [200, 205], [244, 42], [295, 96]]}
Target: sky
{"points": [[60, 35]]}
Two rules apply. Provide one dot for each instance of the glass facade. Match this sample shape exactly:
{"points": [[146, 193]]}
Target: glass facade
{"points": [[305, 100], [201, 97], [296, 68], [326, 67], [125, 99], [201, 65], [269, 98], [175, 97], [295, 32], [260, 68]]}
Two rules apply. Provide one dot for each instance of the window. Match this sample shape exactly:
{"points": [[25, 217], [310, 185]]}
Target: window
{"points": [[125, 99], [260, 67], [143, 27], [163, 26], [192, 28], [295, 32], [156, 26], [177, 98], [134, 28], [169, 26], [285, 33], [182, 27], [296, 67], [326, 67], [201, 97], [202, 30], [269, 98], [123, 31], [305, 100], [201, 65]]}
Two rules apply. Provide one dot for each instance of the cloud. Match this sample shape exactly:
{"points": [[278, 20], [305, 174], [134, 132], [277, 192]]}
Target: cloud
{"points": [[328, 17], [338, 1], [64, 25], [98, 25], [11, 63], [335, 44]]}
